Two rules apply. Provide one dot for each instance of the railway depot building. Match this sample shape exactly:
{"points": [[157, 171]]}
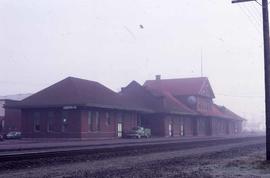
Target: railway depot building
{"points": [[78, 108], [10, 119]]}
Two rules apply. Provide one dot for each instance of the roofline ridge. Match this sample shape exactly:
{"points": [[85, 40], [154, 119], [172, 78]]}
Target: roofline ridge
{"points": [[96, 82], [184, 78]]}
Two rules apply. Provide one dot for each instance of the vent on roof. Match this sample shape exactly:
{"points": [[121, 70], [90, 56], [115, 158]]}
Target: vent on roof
{"points": [[158, 77], [222, 108]]}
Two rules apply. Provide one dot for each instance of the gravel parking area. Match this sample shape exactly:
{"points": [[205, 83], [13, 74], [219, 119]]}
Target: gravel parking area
{"points": [[233, 160]]}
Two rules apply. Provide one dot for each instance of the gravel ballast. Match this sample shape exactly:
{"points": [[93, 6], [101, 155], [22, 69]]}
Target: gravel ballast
{"points": [[232, 160]]}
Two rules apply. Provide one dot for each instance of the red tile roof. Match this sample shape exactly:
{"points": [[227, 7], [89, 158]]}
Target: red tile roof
{"points": [[135, 96], [72, 91], [79, 92], [173, 105], [213, 112], [221, 112], [177, 87], [228, 113], [139, 97]]}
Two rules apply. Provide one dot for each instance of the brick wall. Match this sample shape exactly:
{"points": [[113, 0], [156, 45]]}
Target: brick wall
{"points": [[188, 126], [107, 125], [12, 120], [72, 125], [202, 126]]}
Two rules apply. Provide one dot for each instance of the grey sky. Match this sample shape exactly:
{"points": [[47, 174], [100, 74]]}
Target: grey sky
{"points": [[44, 41]]}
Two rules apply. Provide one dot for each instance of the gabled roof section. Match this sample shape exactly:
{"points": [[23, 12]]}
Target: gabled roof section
{"points": [[213, 112], [173, 105], [71, 91], [228, 113], [221, 112], [137, 96], [182, 86]]}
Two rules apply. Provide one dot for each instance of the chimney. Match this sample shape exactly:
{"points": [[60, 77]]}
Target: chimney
{"points": [[158, 77]]}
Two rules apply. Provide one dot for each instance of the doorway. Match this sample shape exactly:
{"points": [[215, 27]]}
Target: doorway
{"points": [[170, 130], [119, 129], [181, 129]]}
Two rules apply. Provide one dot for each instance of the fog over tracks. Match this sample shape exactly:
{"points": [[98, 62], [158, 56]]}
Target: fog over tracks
{"points": [[156, 161]]}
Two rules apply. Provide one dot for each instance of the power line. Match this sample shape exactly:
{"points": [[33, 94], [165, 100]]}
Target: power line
{"points": [[240, 96], [266, 42], [253, 14], [250, 18], [257, 12]]}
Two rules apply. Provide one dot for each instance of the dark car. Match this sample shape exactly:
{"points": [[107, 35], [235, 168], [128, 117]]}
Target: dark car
{"points": [[14, 135]]}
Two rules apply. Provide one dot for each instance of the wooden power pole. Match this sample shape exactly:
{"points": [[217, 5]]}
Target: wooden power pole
{"points": [[266, 69]]}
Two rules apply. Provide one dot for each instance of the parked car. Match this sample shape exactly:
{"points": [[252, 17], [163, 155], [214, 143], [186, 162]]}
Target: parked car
{"points": [[14, 135], [138, 132]]}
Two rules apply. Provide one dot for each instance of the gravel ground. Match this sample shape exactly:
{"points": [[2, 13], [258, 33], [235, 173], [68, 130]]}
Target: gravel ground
{"points": [[233, 160]]}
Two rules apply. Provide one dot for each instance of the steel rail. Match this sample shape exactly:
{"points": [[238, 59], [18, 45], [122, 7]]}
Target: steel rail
{"points": [[121, 149]]}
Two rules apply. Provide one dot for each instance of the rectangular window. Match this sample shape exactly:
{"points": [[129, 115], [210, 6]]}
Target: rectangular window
{"points": [[37, 122], [139, 120], [64, 121], [108, 118], [97, 121], [50, 121], [90, 125], [3, 123]]}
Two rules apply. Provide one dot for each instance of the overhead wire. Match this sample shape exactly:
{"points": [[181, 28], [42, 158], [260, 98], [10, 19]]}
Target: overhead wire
{"points": [[241, 96], [258, 2], [257, 16], [250, 18], [258, 10]]}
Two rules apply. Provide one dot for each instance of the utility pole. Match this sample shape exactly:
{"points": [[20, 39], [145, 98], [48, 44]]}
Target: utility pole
{"points": [[201, 62], [266, 69]]}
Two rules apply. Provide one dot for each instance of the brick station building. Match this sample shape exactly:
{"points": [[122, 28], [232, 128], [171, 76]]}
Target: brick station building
{"points": [[9, 118], [197, 95], [78, 108]]}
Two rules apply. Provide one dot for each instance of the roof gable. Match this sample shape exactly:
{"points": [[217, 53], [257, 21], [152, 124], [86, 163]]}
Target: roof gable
{"points": [[228, 113], [71, 91], [183, 86], [167, 103], [136, 96], [206, 90], [173, 105]]}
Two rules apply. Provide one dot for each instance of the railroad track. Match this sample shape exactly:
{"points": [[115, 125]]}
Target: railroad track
{"points": [[141, 141], [121, 149]]}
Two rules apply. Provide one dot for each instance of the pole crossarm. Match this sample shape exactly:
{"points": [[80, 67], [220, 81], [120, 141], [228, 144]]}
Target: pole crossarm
{"points": [[239, 1]]}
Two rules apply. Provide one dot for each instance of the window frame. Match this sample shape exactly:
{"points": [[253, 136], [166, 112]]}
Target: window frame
{"points": [[37, 122], [90, 121], [108, 118], [64, 121], [50, 121], [97, 119]]}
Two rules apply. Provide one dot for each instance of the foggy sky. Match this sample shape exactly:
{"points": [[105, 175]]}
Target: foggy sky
{"points": [[117, 41]]}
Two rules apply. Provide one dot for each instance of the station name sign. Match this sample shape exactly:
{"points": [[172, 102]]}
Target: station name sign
{"points": [[69, 107]]}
